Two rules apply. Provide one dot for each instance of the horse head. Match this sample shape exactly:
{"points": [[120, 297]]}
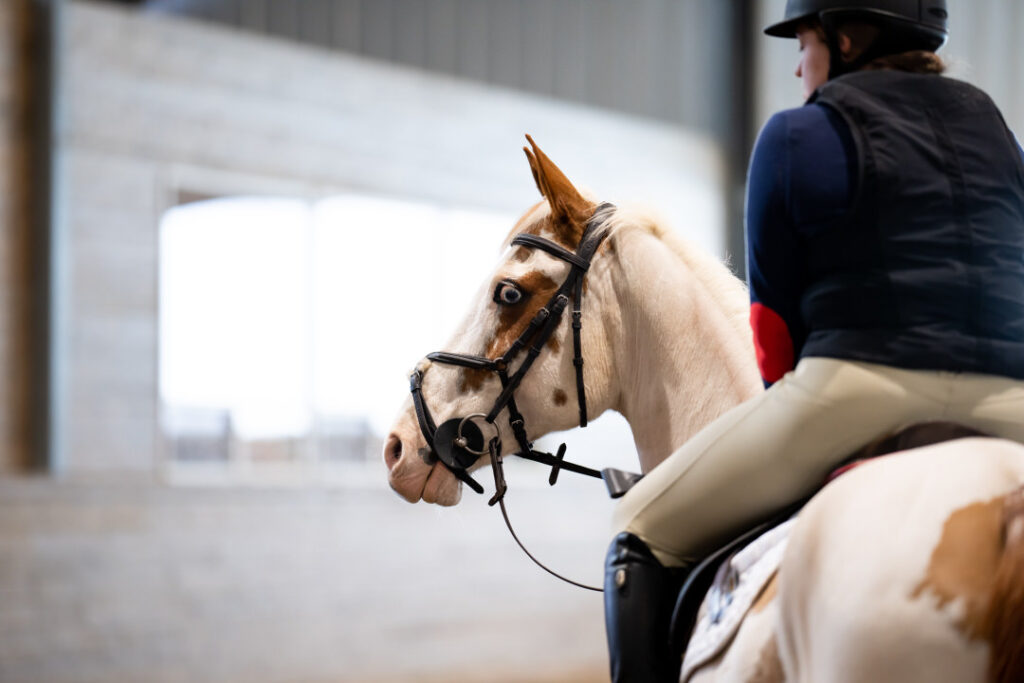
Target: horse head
{"points": [[509, 307]]}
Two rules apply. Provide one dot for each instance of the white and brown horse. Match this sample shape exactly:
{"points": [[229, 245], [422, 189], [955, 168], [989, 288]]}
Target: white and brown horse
{"points": [[908, 568]]}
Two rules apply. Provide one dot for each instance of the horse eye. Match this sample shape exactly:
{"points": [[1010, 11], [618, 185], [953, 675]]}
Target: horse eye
{"points": [[507, 294]]}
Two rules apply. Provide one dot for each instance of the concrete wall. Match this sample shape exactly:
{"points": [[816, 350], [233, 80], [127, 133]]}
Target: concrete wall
{"points": [[159, 107], [115, 584], [15, 179]]}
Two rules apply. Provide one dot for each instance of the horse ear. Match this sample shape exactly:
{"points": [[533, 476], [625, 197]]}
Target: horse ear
{"points": [[568, 207], [533, 168]]}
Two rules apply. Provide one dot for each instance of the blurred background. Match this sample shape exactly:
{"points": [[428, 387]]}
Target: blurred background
{"points": [[228, 230]]}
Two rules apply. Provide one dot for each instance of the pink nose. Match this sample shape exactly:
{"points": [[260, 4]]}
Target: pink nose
{"points": [[392, 451]]}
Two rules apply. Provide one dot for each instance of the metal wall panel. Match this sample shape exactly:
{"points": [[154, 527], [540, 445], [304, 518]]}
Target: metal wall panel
{"points": [[666, 59], [346, 24], [442, 32]]}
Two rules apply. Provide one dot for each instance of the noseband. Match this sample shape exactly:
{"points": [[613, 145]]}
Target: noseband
{"points": [[459, 442]]}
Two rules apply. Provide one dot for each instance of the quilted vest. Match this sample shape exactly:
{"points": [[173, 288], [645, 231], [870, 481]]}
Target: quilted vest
{"points": [[927, 269]]}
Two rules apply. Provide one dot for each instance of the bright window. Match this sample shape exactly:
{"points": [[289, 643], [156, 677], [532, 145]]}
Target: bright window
{"points": [[287, 327]]}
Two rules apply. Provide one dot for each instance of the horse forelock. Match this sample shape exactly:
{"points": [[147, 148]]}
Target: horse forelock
{"points": [[539, 220]]}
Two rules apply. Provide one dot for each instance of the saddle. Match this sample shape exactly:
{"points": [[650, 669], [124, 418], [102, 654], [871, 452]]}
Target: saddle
{"points": [[707, 574]]}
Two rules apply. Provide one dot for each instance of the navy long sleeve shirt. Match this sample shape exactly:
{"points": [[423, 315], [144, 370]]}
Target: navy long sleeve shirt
{"points": [[801, 178]]}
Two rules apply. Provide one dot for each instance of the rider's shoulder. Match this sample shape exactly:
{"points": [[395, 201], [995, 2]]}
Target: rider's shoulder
{"points": [[810, 124]]}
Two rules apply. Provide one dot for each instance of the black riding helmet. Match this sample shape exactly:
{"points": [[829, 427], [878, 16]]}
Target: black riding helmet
{"points": [[905, 25]]}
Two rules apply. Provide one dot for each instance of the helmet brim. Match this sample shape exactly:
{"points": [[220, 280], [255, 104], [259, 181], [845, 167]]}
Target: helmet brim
{"points": [[787, 29]]}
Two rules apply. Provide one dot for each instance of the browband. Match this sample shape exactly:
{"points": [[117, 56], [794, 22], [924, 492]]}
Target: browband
{"points": [[551, 248]]}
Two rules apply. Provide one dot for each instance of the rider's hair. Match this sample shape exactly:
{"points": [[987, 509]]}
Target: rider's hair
{"points": [[861, 36], [915, 61]]}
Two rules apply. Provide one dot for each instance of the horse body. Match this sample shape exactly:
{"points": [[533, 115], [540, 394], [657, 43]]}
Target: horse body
{"points": [[864, 593], [890, 575]]}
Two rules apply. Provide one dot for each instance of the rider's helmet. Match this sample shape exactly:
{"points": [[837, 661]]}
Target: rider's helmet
{"points": [[904, 25]]}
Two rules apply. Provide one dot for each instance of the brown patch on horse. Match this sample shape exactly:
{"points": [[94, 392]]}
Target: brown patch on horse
{"points": [[1004, 619], [980, 560], [521, 254], [512, 322], [965, 561], [559, 397], [768, 668], [767, 594], [471, 380]]}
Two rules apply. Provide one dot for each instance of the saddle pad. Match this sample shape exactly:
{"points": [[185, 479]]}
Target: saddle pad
{"points": [[736, 586]]}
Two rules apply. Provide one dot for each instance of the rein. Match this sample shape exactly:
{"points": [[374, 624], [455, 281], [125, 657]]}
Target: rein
{"points": [[459, 442]]}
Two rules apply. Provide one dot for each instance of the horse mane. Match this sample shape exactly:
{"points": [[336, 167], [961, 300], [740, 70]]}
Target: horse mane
{"points": [[715, 276]]}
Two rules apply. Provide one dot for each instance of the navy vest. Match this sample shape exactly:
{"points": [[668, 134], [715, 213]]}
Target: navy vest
{"points": [[927, 269]]}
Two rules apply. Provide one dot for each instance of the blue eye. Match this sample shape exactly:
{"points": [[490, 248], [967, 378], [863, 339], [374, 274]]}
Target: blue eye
{"points": [[507, 293]]}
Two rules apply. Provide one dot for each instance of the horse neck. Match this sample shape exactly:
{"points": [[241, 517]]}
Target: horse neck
{"points": [[684, 350]]}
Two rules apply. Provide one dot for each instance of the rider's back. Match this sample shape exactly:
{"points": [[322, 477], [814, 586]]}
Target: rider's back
{"points": [[926, 270], [886, 223]]}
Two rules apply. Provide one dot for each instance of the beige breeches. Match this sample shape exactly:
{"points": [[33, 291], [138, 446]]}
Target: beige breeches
{"points": [[780, 446]]}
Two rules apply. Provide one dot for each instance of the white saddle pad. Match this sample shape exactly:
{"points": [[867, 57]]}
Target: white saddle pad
{"points": [[721, 613]]}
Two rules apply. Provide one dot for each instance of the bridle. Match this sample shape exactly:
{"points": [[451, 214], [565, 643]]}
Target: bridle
{"points": [[459, 442]]}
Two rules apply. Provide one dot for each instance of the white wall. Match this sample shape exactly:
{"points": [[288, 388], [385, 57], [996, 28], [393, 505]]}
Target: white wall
{"points": [[158, 106]]}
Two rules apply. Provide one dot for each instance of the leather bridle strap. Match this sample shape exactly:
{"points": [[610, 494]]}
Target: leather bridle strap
{"points": [[580, 264], [528, 240], [499, 496], [541, 338], [534, 337], [540, 329], [428, 428], [426, 421]]}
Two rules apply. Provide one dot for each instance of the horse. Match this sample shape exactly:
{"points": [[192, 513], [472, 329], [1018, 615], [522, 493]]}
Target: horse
{"points": [[909, 567]]}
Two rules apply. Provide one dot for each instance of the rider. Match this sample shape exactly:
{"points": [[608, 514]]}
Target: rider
{"points": [[885, 247]]}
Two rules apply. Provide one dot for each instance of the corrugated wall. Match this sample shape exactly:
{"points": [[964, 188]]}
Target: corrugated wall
{"points": [[647, 57]]}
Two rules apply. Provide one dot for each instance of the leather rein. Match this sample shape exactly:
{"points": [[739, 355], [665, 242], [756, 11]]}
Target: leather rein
{"points": [[459, 442]]}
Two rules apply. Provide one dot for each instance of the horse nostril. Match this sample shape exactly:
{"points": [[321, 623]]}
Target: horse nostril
{"points": [[392, 451]]}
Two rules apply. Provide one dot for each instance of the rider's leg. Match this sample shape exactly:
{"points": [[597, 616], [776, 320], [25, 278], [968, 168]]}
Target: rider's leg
{"points": [[639, 594], [752, 461], [779, 447], [770, 452], [993, 405]]}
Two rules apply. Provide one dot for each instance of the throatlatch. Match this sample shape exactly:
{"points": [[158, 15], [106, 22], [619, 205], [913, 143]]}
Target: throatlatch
{"points": [[459, 442]]}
